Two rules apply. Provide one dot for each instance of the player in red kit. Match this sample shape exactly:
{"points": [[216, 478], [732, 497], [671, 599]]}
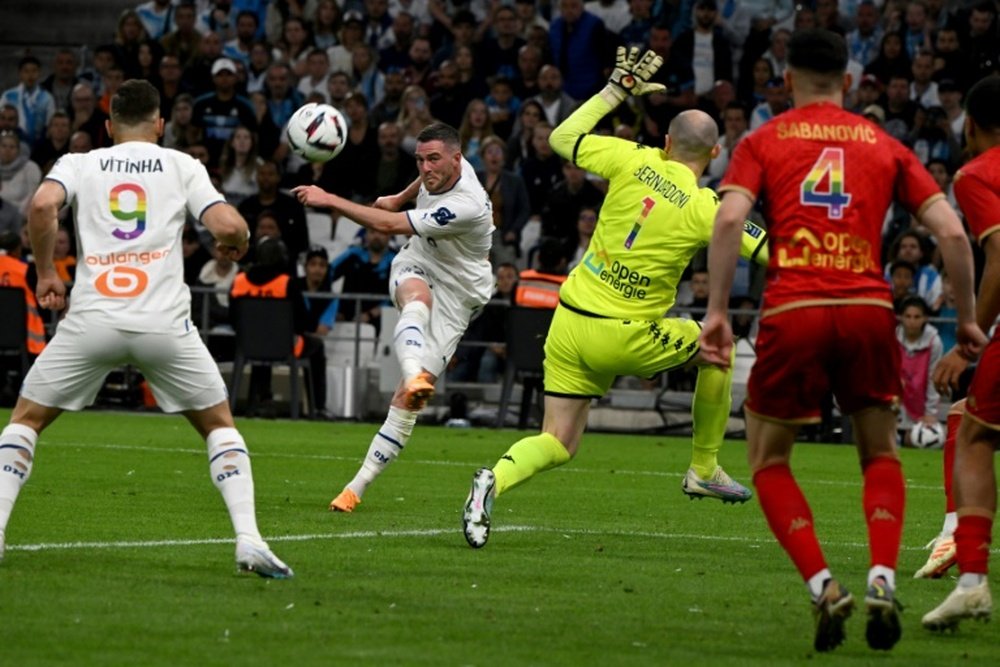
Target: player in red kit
{"points": [[825, 178], [977, 188]]}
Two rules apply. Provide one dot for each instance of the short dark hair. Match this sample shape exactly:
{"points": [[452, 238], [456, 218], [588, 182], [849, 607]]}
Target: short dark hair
{"points": [[440, 132], [914, 300], [902, 264], [136, 101], [28, 60], [983, 103], [817, 50]]}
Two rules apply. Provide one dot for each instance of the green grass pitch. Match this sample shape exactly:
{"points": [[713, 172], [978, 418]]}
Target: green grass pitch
{"points": [[120, 553]]}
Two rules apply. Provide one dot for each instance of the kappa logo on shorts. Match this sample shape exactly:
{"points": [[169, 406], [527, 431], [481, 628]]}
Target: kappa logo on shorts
{"points": [[122, 282]]}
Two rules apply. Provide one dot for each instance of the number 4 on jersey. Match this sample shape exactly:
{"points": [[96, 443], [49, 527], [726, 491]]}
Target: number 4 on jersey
{"points": [[830, 165]]}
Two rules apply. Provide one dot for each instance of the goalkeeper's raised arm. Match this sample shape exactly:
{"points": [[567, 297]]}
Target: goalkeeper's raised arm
{"points": [[630, 77]]}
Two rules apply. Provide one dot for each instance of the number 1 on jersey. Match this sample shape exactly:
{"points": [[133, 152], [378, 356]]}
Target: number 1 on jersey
{"points": [[830, 164], [647, 205]]}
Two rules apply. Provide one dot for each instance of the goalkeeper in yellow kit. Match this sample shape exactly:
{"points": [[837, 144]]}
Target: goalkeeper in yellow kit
{"points": [[610, 319]]}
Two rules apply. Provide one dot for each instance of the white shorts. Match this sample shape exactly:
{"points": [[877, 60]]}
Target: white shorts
{"points": [[451, 312], [71, 369]]}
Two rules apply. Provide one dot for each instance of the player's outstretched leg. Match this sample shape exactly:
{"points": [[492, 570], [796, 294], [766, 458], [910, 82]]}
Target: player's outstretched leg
{"points": [[229, 466], [17, 454], [526, 458], [385, 447], [710, 413], [943, 553]]}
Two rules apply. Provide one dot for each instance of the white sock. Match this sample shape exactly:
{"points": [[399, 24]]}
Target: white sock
{"points": [[229, 465], [970, 580], [17, 453], [387, 444], [816, 582], [950, 524], [408, 337], [882, 571]]}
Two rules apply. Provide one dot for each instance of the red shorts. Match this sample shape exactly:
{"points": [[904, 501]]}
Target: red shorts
{"points": [[804, 353], [983, 401]]}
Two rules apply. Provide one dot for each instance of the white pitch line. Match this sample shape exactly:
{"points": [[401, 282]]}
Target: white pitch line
{"points": [[452, 464], [428, 532]]}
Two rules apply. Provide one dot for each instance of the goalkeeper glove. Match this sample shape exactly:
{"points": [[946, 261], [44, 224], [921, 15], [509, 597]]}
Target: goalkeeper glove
{"points": [[632, 74]]}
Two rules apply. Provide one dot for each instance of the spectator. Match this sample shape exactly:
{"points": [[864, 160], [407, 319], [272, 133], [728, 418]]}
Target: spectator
{"points": [[509, 197], [55, 144], [168, 83], [900, 110], [677, 76], [828, 16], [80, 142], [948, 328], [613, 13], [9, 123], [909, 247], [63, 256], [282, 98], [365, 270], [395, 169], [180, 132], [414, 116], [60, 83], [157, 17], [11, 219], [15, 274], [891, 61], [777, 101], [950, 60], [288, 212], [352, 33], [219, 113], [586, 223], [502, 106], [294, 46], [498, 53], [326, 24], [238, 166], [471, 83], [777, 52], [580, 49], [519, 146], [980, 40], [103, 57], [85, 115], [487, 364], [321, 313], [920, 349], [364, 70], [268, 278], [219, 18], [706, 48], [951, 101], [34, 104], [863, 42], [475, 127], [916, 31], [18, 174], [942, 173], [869, 93], [238, 48], [261, 59], [129, 34], [184, 42], [556, 102], [933, 138], [923, 89], [198, 76], [735, 128], [317, 77], [352, 175], [218, 273], [112, 80], [564, 201], [397, 54], [194, 254], [463, 31], [529, 63], [338, 88], [529, 18], [387, 110], [753, 87], [542, 170], [378, 29]]}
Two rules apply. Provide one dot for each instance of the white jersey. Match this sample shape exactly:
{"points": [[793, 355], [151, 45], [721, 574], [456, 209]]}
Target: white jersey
{"points": [[452, 235], [131, 202]]}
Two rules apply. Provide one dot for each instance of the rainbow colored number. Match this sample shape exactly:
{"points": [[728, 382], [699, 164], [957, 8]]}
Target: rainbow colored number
{"points": [[138, 212], [831, 161], [647, 205]]}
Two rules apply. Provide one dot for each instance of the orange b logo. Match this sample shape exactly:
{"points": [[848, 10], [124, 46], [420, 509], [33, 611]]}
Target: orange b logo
{"points": [[122, 282]]}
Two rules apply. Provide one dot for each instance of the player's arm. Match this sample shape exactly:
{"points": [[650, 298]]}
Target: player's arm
{"points": [[400, 199], [723, 252], [43, 225], [390, 222], [941, 219], [228, 228]]}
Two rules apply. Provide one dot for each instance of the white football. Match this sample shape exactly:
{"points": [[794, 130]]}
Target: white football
{"points": [[317, 132], [924, 436]]}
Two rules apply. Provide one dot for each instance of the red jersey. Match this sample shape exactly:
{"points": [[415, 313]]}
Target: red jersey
{"points": [[977, 189], [826, 177]]}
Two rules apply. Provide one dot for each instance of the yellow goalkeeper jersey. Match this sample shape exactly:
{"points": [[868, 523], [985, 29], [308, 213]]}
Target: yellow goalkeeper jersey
{"points": [[653, 220]]}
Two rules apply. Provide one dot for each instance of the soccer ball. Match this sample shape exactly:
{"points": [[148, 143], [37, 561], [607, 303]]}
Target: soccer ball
{"points": [[317, 132], [924, 436]]}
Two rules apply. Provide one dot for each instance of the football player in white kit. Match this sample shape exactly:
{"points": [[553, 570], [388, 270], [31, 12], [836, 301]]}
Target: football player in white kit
{"points": [[130, 304], [439, 281]]}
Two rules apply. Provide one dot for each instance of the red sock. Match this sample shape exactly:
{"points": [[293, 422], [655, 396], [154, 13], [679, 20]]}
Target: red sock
{"points": [[789, 517], [972, 539], [884, 501], [954, 419]]}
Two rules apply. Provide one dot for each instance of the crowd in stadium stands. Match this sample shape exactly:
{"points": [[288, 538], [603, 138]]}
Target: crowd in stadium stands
{"points": [[231, 72]]}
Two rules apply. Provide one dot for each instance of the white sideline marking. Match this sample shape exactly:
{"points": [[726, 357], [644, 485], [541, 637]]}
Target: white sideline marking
{"points": [[429, 532], [454, 464]]}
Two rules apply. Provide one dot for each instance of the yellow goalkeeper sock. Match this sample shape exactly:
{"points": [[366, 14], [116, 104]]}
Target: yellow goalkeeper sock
{"points": [[710, 411], [526, 458]]}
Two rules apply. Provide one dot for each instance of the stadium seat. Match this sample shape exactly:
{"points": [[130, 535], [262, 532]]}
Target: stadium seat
{"points": [[14, 326], [526, 332], [265, 335], [345, 372]]}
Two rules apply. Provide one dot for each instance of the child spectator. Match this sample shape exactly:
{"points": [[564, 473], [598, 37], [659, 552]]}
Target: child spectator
{"points": [[921, 348], [901, 280]]}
